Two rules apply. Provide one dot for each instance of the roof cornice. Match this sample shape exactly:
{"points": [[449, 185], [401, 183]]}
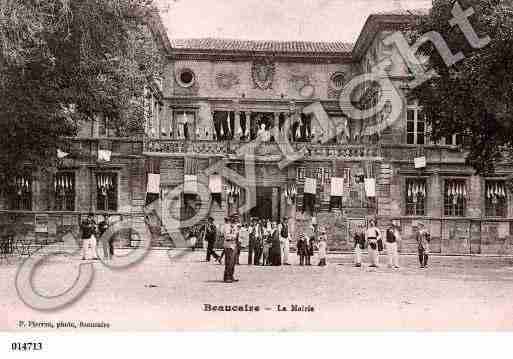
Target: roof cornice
{"points": [[217, 55], [380, 22]]}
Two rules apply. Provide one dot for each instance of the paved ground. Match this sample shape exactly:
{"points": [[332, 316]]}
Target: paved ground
{"points": [[462, 293]]}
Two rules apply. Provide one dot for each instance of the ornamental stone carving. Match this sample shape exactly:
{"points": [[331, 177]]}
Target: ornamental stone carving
{"points": [[226, 81], [263, 74], [302, 84]]}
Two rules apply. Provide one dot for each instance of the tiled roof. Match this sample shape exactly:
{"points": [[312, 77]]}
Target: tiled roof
{"points": [[261, 46]]}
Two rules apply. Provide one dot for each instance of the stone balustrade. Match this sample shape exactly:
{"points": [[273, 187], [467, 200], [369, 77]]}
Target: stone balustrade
{"points": [[270, 150]]}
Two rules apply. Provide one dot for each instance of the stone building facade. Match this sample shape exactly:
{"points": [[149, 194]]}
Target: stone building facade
{"points": [[221, 99]]}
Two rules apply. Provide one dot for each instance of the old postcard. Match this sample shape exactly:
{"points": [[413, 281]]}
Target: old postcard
{"points": [[193, 165]]}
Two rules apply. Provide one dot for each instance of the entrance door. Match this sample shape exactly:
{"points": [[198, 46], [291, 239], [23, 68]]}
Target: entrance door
{"points": [[267, 203]]}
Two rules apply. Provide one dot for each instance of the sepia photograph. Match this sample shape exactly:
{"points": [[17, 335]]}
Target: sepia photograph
{"points": [[255, 166]]}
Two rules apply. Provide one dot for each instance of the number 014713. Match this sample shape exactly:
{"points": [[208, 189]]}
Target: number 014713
{"points": [[25, 347]]}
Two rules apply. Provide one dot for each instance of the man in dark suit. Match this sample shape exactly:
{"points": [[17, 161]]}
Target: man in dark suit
{"points": [[211, 237], [252, 242]]}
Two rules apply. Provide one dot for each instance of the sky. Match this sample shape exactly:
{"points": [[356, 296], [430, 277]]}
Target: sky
{"points": [[285, 20]]}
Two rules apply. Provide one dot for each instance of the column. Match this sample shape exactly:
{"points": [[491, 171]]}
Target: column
{"points": [[248, 124], [237, 128], [213, 136], [174, 124]]}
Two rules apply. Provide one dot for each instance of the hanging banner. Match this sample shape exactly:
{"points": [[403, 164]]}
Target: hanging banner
{"points": [[420, 162], [190, 184], [215, 184], [104, 155], [61, 154], [370, 187], [310, 185], [153, 183], [337, 186]]}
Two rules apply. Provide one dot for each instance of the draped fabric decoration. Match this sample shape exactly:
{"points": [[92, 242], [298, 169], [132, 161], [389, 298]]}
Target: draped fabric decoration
{"points": [[291, 193], [232, 192], [311, 186], [23, 185], [191, 175], [105, 183], [416, 192], [21, 193], [456, 191], [64, 189], [104, 155], [229, 123], [420, 162], [337, 187], [215, 184], [370, 180], [106, 191], [64, 182], [370, 187], [61, 154], [153, 183], [495, 191]]}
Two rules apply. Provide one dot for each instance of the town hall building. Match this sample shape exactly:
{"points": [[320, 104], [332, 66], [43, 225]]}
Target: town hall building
{"points": [[220, 99]]}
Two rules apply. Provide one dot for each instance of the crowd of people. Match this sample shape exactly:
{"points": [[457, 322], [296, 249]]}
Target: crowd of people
{"points": [[268, 244]]}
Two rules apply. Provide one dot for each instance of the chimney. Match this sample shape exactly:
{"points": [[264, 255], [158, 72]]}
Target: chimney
{"points": [[397, 5]]}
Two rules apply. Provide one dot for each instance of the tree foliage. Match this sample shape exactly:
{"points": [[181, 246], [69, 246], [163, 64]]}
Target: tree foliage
{"points": [[63, 62], [475, 96]]}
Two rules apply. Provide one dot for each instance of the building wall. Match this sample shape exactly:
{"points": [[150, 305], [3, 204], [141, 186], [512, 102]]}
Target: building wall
{"points": [[289, 79]]}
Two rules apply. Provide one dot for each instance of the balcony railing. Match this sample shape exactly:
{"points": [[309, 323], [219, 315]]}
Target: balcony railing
{"points": [[271, 150]]}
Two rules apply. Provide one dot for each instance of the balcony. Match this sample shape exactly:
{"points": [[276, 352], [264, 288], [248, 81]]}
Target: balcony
{"points": [[265, 151]]}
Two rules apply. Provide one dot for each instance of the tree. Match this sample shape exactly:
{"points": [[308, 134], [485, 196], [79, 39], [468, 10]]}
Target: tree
{"points": [[475, 96], [63, 62]]}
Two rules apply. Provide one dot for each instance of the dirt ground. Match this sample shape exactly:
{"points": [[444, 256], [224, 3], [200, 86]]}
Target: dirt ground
{"points": [[169, 291]]}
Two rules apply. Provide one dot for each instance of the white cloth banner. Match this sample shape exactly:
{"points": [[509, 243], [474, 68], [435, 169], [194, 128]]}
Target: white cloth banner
{"points": [[370, 187], [190, 184], [215, 184], [420, 162], [310, 185], [61, 154], [153, 183], [104, 155], [337, 186]]}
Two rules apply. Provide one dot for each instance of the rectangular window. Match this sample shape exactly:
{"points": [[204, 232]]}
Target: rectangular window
{"points": [[21, 194], [416, 194], [410, 128], [455, 198], [496, 199], [300, 175], [416, 126], [107, 191], [421, 128], [64, 189], [105, 128]]}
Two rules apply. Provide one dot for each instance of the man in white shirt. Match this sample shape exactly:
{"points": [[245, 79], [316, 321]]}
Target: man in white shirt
{"points": [[230, 248], [372, 236], [392, 240]]}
